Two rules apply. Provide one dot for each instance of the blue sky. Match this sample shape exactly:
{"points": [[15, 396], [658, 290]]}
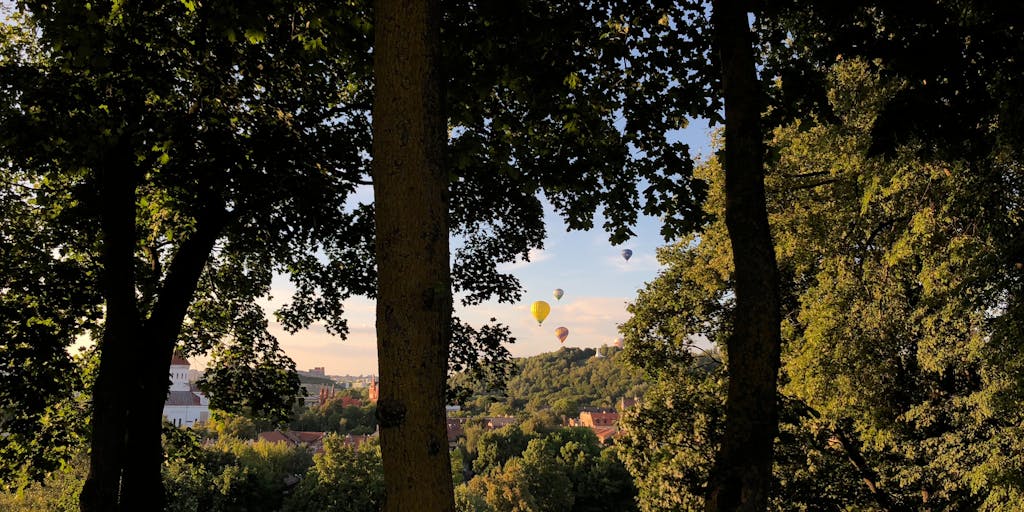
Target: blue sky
{"points": [[597, 281]]}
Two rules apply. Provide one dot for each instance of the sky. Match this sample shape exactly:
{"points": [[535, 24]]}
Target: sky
{"points": [[597, 281]]}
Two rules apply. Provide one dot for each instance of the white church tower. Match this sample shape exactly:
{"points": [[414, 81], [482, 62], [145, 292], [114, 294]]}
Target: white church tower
{"points": [[184, 407]]}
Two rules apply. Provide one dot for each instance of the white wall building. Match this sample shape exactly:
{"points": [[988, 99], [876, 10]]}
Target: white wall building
{"points": [[184, 407]]}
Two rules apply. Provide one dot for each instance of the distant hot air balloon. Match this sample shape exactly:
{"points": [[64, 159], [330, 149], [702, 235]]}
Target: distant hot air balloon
{"points": [[619, 342], [561, 333], [558, 293], [540, 310], [627, 253]]}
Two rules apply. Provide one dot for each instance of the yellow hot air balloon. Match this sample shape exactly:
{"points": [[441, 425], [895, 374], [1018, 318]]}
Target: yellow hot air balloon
{"points": [[561, 333], [540, 310]]}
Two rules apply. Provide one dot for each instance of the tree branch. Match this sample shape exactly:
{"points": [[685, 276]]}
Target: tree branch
{"points": [[853, 454]]}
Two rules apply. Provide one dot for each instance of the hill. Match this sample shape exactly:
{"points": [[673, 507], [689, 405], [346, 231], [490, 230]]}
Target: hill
{"points": [[565, 381]]}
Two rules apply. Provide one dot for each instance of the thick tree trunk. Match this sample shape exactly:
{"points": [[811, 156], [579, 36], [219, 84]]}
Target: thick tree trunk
{"points": [[142, 487], [742, 475], [114, 385], [414, 299], [131, 385]]}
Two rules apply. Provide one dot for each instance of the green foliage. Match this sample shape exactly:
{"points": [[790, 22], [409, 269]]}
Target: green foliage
{"points": [[343, 479], [671, 438], [563, 381], [56, 492], [48, 298], [902, 303], [899, 313], [564, 470], [467, 500], [495, 447], [333, 416], [478, 359], [42, 433], [269, 374], [223, 424], [234, 475]]}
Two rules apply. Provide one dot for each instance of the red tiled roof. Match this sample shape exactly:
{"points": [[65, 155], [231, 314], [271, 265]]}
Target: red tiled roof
{"points": [[176, 359], [292, 437], [274, 436], [603, 433], [307, 437], [598, 418]]}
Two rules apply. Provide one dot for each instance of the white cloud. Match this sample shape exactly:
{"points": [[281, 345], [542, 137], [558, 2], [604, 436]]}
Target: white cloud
{"points": [[592, 322], [646, 262], [536, 256]]}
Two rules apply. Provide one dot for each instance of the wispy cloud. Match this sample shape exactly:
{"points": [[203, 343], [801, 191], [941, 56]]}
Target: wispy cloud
{"points": [[536, 256], [641, 261], [592, 322]]}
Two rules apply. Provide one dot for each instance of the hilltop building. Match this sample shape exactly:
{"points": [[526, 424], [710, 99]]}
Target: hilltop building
{"points": [[184, 407]]}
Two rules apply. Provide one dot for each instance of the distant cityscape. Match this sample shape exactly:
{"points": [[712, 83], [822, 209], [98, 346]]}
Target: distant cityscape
{"points": [[187, 407]]}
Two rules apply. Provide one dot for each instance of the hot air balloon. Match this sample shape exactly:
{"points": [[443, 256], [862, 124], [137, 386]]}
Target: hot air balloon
{"points": [[558, 293], [540, 310], [561, 333], [627, 253], [619, 342]]}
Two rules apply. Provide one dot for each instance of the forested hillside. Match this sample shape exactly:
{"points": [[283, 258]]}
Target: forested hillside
{"points": [[564, 381]]}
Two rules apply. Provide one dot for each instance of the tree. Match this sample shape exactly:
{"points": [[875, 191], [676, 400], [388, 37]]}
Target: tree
{"points": [[197, 198], [951, 73], [414, 304], [230, 474], [343, 479], [890, 262], [742, 474], [167, 167], [495, 447], [913, 276], [48, 298]]}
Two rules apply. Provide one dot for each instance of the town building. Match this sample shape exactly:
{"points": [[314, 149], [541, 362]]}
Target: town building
{"points": [[496, 422], [312, 441], [604, 422], [374, 390], [593, 417], [184, 407]]}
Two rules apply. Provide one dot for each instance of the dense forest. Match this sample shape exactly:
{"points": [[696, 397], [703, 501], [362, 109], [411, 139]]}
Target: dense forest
{"points": [[562, 381], [837, 323]]}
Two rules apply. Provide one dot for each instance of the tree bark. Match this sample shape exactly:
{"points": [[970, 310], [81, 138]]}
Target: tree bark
{"points": [[113, 387], [414, 301], [742, 474], [142, 487], [135, 354]]}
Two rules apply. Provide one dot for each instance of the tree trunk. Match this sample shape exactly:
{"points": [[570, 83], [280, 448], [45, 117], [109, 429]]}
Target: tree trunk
{"points": [[742, 475], [114, 384], [142, 487], [132, 381], [414, 299]]}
